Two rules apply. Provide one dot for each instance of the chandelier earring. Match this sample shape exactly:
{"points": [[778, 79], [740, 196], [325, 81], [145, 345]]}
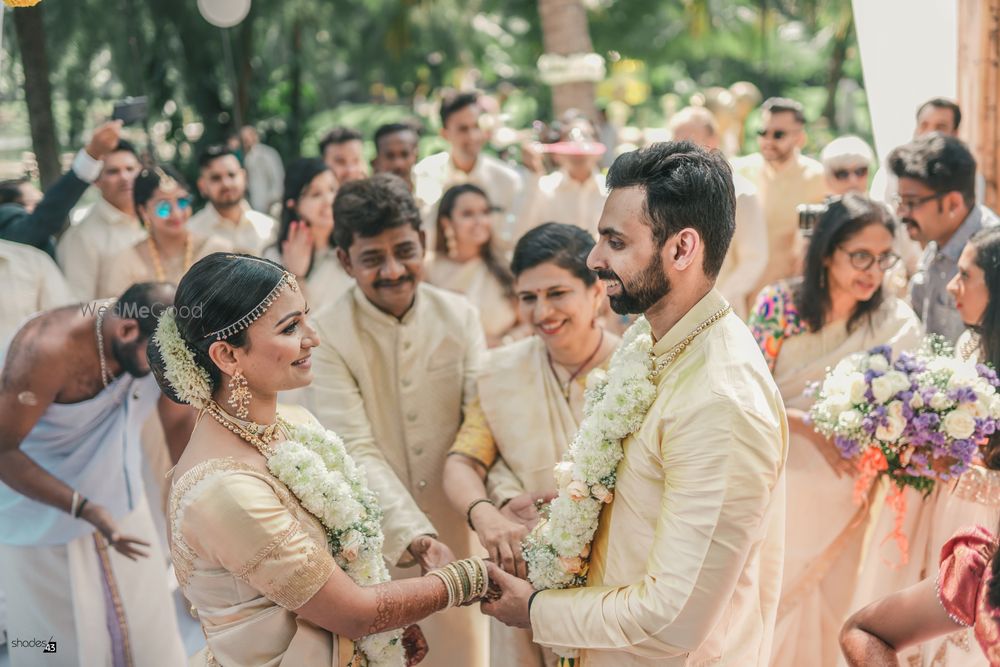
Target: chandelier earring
{"points": [[239, 394]]}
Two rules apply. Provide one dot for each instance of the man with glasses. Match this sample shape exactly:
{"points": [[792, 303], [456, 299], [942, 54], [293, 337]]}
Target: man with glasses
{"points": [[936, 202], [223, 182], [784, 178]]}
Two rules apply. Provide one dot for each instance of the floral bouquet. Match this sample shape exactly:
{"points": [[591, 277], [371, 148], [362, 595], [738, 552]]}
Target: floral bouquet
{"points": [[917, 420]]}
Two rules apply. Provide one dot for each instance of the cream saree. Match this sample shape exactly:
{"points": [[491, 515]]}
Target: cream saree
{"points": [[825, 530], [532, 425]]}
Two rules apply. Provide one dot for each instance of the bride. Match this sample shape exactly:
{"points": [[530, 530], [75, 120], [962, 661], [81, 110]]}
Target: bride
{"points": [[275, 537]]}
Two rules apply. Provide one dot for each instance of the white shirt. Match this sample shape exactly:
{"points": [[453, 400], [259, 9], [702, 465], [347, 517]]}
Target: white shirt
{"points": [[103, 231], [250, 235], [265, 177], [31, 282], [561, 198]]}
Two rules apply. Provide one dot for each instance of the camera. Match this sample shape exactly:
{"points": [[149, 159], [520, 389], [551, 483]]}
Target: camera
{"points": [[809, 215]]}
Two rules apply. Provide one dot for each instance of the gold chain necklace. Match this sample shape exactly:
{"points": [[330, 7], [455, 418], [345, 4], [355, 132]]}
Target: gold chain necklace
{"points": [[259, 435], [660, 363], [569, 383], [98, 323], [161, 275]]}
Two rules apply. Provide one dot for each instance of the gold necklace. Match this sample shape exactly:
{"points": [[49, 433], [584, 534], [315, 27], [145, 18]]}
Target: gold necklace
{"points": [[660, 363], [98, 323], [259, 435], [970, 347], [161, 275]]}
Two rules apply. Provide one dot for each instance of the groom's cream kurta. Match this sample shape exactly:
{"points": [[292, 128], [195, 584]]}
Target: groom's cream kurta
{"points": [[686, 562]]}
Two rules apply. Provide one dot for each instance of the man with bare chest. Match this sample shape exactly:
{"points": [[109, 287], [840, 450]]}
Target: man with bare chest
{"points": [[82, 569]]}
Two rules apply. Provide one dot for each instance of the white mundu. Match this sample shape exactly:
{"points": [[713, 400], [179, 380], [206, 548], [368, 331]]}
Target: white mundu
{"points": [[61, 580], [395, 391], [686, 563]]}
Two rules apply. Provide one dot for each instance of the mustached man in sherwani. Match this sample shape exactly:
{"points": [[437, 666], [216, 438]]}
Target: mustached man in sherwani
{"points": [[395, 372], [685, 564], [82, 565]]}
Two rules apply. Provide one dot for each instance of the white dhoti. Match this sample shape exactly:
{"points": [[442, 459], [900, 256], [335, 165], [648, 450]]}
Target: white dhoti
{"points": [[97, 606]]}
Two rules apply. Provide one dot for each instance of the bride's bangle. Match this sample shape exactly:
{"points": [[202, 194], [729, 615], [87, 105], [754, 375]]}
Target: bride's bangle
{"points": [[466, 580]]}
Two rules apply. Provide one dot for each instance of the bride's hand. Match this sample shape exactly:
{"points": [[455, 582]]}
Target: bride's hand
{"points": [[415, 645]]}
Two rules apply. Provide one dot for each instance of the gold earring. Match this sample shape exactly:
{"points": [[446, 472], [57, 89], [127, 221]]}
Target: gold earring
{"points": [[449, 241], [239, 394]]}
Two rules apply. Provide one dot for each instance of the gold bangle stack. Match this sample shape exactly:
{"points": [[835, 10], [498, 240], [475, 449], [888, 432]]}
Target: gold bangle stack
{"points": [[465, 580]]}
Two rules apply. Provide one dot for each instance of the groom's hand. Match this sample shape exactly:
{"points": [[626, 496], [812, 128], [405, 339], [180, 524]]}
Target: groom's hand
{"points": [[430, 553], [511, 608]]}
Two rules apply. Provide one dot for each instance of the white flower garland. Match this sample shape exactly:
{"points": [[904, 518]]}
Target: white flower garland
{"points": [[315, 466], [189, 381], [616, 405]]}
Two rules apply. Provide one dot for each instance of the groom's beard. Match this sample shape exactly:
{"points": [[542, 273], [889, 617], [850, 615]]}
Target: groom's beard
{"points": [[643, 292]]}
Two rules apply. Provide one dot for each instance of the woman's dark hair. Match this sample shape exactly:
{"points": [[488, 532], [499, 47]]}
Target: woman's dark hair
{"points": [[986, 243], [445, 210], [299, 174], [566, 246], [844, 217], [149, 180], [217, 290]]}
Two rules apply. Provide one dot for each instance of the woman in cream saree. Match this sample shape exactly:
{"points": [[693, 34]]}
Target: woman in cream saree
{"points": [[825, 529]]}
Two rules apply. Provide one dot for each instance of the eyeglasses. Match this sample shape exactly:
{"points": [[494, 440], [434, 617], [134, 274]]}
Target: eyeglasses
{"points": [[844, 174], [911, 203], [777, 135], [862, 260], [163, 207]]}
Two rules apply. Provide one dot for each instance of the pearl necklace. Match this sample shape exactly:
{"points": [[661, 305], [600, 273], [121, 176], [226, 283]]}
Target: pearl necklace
{"points": [[660, 363], [259, 435], [161, 275]]}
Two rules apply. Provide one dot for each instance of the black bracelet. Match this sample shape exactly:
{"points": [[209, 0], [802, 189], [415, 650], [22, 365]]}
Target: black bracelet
{"points": [[504, 503], [79, 510], [468, 512], [530, 600]]}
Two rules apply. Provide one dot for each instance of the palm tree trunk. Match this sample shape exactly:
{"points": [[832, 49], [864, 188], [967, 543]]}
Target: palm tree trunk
{"points": [[30, 32], [838, 57], [565, 32]]}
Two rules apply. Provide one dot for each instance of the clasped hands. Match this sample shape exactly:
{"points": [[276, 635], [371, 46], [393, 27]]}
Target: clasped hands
{"points": [[501, 532]]}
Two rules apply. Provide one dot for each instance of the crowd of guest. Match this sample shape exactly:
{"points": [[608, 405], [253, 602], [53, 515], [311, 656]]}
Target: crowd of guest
{"points": [[457, 323]]}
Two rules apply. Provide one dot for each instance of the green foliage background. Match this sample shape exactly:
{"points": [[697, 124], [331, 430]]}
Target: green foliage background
{"points": [[305, 65]]}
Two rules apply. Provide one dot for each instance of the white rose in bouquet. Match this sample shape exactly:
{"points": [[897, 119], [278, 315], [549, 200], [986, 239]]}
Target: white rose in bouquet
{"points": [[849, 420], [878, 363], [858, 387], [959, 424], [940, 401], [891, 431], [882, 388]]}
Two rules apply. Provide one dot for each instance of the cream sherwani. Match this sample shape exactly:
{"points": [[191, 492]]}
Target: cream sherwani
{"points": [[686, 561], [800, 181], [746, 260], [250, 235], [31, 282], [395, 391], [103, 231]]}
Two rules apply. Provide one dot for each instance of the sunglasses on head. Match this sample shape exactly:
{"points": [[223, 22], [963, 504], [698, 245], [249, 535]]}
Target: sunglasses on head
{"points": [[163, 207], [843, 174], [777, 135]]}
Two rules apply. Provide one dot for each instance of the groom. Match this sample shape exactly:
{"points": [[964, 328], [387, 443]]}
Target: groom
{"points": [[685, 565]]}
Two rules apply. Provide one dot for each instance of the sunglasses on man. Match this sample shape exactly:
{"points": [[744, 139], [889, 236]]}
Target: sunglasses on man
{"points": [[777, 135], [844, 174]]}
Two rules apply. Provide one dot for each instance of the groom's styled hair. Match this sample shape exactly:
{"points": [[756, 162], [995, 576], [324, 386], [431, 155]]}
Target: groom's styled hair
{"points": [[686, 187]]}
